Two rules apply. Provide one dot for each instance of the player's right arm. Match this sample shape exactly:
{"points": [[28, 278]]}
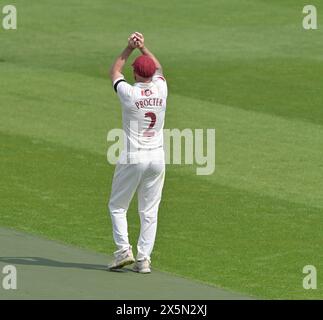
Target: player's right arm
{"points": [[145, 51]]}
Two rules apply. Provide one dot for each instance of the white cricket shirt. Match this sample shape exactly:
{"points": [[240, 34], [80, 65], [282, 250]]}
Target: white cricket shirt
{"points": [[143, 112]]}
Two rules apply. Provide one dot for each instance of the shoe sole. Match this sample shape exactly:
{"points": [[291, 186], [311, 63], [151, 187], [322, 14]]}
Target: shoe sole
{"points": [[143, 271], [122, 264]]}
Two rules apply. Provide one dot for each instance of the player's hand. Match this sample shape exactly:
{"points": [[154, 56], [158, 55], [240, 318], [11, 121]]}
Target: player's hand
{"points": [[140, 40], [136, 40], [131, 42]]}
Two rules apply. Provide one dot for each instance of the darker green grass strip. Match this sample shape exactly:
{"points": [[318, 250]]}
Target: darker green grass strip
{"points": [[285, 87], [253, 55]]}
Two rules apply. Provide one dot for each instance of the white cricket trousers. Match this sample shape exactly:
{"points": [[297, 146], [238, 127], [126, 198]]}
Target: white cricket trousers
{"points": [[144, 174]]}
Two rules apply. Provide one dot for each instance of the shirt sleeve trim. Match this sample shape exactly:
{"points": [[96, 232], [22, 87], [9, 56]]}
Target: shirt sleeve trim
{"points": [[115, 85]]}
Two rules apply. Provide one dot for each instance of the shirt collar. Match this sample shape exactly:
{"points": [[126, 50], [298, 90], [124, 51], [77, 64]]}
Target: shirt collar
{"points": [[143, 84]]}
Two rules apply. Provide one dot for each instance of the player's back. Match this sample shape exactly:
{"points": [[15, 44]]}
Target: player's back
{"points": [[143, 113]]}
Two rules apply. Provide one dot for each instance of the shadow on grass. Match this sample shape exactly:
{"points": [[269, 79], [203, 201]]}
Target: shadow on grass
{"points": [[38, 261]]}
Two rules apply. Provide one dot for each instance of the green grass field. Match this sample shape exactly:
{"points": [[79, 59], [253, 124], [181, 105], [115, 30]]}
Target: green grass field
{"points": [[246, 68]]}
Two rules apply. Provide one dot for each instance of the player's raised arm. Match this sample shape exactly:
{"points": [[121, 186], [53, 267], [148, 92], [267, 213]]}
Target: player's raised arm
{"points": [[140, 44], [117, 67]]}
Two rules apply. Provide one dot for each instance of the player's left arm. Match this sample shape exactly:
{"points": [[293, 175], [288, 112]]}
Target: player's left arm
{"points": [[117, 66]]}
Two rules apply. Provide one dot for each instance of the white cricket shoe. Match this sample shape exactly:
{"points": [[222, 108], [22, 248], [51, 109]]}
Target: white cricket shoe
{"points": [[122, 260], [142, 266]]}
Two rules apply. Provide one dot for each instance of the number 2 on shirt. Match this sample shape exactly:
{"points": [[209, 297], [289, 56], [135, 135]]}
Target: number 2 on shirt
{"points": [[149, 132]]}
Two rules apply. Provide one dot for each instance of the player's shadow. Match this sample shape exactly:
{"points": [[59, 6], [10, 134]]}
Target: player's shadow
{"points": [[38, 261]]}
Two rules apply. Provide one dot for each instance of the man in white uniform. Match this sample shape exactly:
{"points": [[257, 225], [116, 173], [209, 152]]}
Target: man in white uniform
{"points": [[141, 166]]}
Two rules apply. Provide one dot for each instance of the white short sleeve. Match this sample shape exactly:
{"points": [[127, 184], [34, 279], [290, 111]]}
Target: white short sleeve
{"points": [[161, 83], [122, 88]]}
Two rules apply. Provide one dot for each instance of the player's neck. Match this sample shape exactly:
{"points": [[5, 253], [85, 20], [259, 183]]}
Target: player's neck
{"points": [[144, 82], [139, 79]]}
